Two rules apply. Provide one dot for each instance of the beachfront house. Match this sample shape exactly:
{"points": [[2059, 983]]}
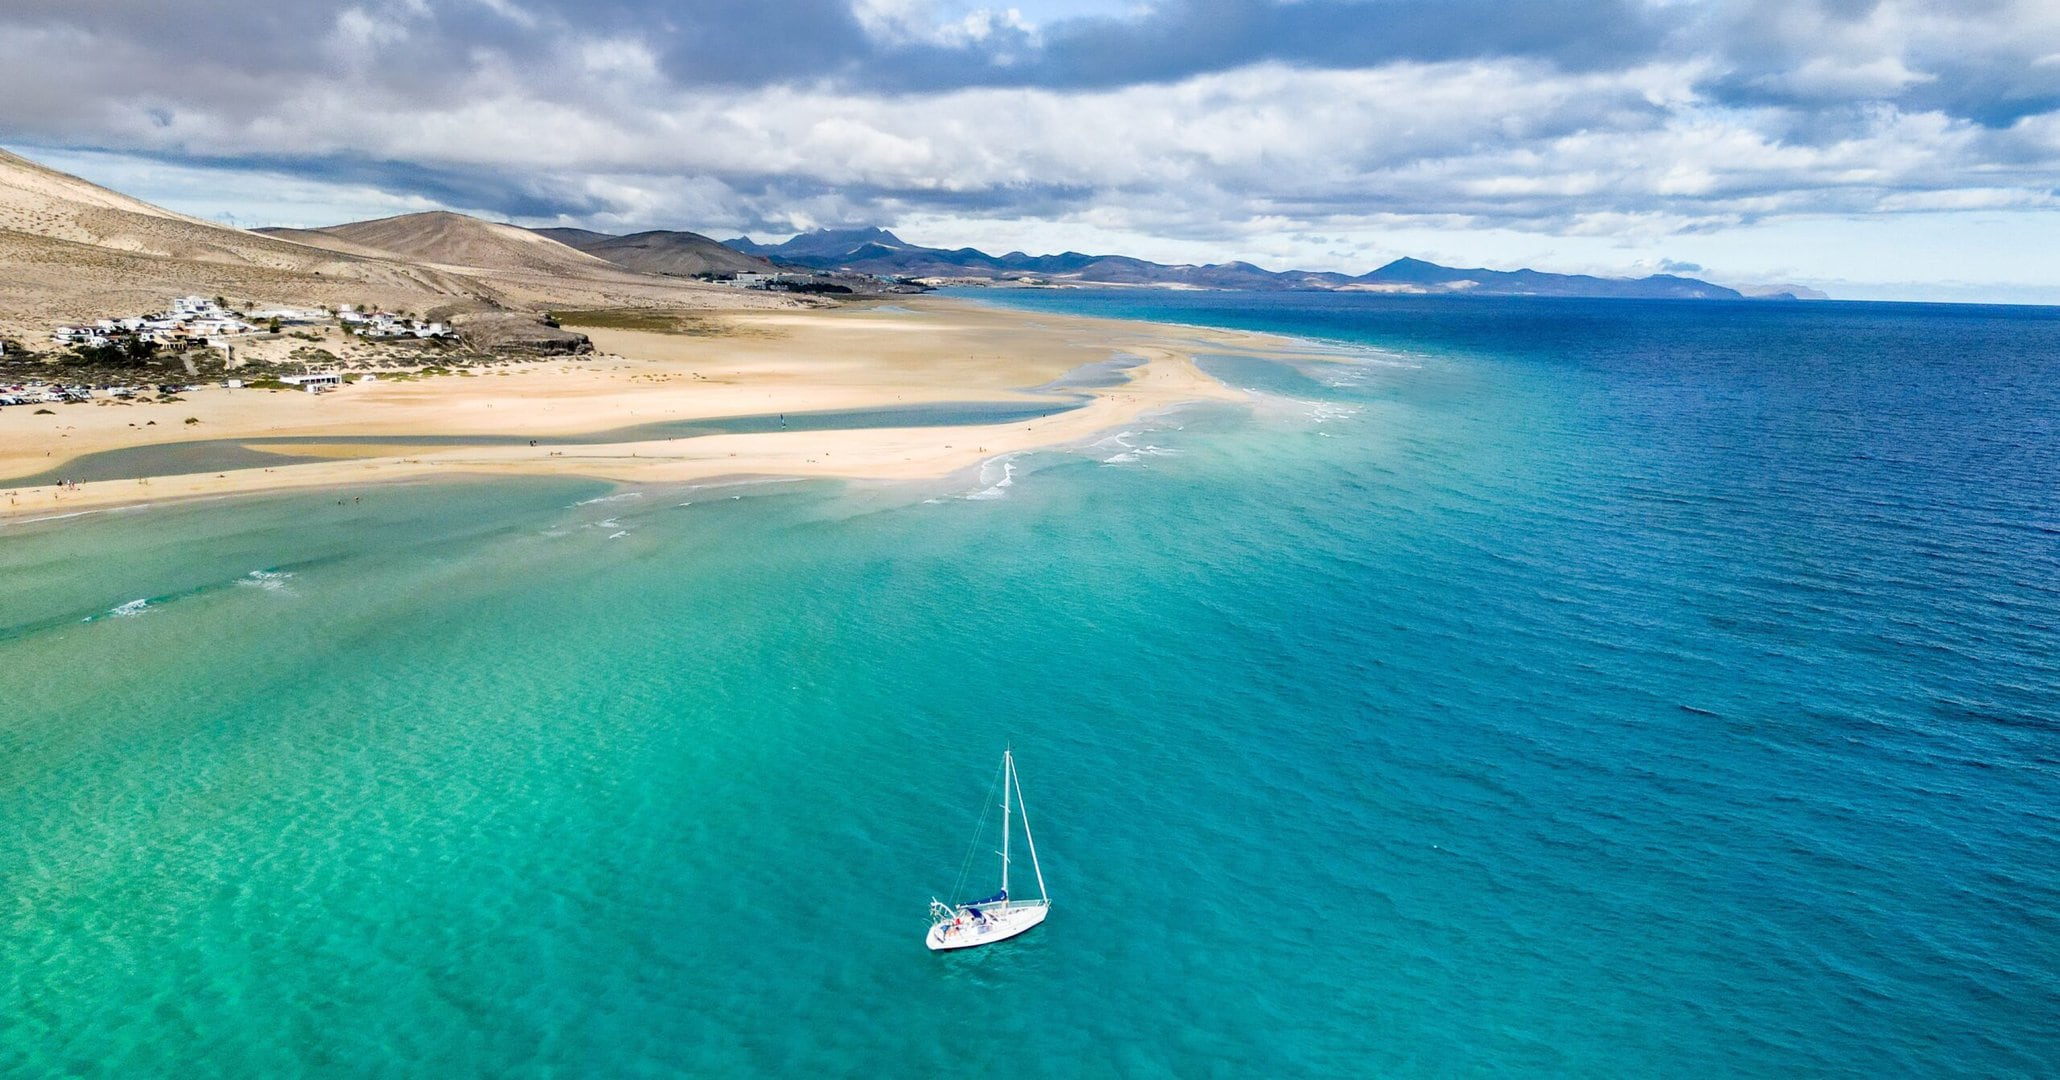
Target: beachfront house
{"points": [[196, 307], [313, 383], [214, 326], [90, 336], [290, 316], [381, 324], [192, 319]]}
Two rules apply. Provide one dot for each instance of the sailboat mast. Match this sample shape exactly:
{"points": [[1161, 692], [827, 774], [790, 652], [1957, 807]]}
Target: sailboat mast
{"points": [[1041, 894], [1008, 769]]}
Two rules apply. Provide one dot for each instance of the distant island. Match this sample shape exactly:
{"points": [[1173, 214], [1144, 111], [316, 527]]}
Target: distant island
{"points": [[878, 252]]}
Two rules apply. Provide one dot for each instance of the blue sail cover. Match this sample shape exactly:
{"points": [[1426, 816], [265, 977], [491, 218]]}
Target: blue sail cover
{"points": [[995, 899]]}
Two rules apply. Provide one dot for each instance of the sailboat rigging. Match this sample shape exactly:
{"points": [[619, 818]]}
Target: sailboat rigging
{"points": [[998, 917]]}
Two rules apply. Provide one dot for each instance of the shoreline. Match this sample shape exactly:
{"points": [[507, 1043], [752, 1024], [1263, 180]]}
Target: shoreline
{"points": [[935, 352]]}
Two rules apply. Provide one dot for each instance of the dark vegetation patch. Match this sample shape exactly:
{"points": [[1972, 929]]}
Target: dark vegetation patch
{"points": [[650, 319]]}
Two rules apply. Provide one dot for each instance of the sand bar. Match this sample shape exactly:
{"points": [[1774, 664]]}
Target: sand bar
{"points": [[931, 351]]}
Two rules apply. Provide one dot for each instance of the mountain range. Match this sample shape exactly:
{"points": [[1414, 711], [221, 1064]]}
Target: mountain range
{"points": [[73, 250], [662, 251], [877, 251]]}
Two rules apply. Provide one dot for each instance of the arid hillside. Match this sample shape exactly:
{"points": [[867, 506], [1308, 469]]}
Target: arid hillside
{"points": [[443, 238], [71, 250], [680, 254]]}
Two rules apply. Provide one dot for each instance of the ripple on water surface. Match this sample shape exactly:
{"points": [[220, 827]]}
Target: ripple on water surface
{"points": [[1593, 691]]}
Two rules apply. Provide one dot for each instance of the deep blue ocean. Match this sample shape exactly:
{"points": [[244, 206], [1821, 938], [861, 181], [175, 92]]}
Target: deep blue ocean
{"points": [[1513, 687]]}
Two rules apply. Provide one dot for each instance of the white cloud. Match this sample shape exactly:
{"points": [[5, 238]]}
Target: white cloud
{"points": [[928, 22], [1828, 78], [1767, 112], [510, 11], [358, 34], [1490, 142], [617, 58], [241, 197]]}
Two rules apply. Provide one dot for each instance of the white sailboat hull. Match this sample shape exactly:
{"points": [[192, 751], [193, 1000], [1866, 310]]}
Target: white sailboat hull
{"points": [[1001, 922], [964, 926]]}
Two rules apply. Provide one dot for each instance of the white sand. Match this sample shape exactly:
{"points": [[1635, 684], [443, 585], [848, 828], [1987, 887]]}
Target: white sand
{"points": [[786, 361]]}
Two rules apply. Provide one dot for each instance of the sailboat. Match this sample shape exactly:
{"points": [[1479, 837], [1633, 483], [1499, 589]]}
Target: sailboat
{"points": [[998, 917]]}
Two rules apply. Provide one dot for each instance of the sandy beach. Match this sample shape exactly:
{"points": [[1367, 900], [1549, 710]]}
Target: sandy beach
{"points": [[932, 351]]}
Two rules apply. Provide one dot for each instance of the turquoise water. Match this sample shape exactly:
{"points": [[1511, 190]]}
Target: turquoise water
{"points": [[211, 455], [1535, 687]]}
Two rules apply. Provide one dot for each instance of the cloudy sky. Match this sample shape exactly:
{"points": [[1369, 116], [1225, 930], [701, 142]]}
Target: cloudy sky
{"points": [[1874, 148]]}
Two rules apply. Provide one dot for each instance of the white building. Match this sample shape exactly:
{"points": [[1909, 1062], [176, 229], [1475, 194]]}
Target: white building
{"points": [[187, 307], [213, 326], [289, 316]]}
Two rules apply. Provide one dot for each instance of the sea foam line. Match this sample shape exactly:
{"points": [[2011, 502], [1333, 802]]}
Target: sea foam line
{"points": [[618, 497], [997, 476], [129, 610], [268, 580]]}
